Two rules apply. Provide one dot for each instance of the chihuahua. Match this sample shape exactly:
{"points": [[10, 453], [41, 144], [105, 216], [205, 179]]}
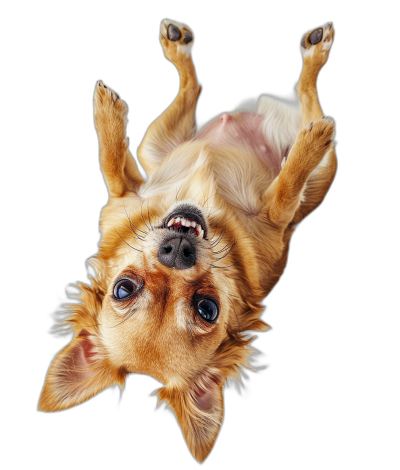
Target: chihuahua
{"points": [[187, 256]]}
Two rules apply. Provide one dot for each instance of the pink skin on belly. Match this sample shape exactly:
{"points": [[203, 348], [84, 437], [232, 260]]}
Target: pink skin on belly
{"points": [[242, 130]]}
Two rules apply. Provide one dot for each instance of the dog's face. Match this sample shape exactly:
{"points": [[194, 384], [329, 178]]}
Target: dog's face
{"points": [[186, 257], [160, 277]]}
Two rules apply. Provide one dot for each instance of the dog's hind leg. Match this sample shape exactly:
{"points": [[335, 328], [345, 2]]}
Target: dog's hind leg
{"points": [[310, 167], [315, 47], [177, 123]]}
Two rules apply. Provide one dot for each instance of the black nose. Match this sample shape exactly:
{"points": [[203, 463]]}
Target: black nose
{"points": [[177, 253]]}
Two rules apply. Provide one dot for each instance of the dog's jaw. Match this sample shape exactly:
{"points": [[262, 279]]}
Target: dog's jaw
{"points": [[186, 217]]}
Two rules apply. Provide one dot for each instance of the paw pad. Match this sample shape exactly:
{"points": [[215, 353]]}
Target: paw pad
{"points": [[188, 37], [316, 36], [173, 33]]}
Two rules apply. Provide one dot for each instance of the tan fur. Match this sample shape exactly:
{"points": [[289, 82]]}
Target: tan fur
{"points": [[249, 211]]}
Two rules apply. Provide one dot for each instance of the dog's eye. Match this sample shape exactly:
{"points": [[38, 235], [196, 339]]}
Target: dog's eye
{"points": [[208, 310], [125, 288]]}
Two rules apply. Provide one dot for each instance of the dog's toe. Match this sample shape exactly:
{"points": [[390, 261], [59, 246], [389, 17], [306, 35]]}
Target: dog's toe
{"points": [[316, 36], [188, 37], [173, 33]]}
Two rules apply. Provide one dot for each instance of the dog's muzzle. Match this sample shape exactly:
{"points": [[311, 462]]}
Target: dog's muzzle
{"points": [[177, 253]]}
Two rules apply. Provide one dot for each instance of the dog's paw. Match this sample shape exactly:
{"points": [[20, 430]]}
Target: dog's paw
{"points": [[315, 46], [109, 112], [315, 141], [176, 39]]}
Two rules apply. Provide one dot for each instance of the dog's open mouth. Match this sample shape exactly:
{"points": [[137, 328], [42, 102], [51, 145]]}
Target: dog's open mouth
{"points": [[187, 219]]}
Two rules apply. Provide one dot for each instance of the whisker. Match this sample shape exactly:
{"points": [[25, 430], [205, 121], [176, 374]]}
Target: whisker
{"points": [[136, 235], [209, 198], [135, 238], [205, 270], [227, 253], [213, 234], [141, 212], [224, 267], [221, 236], [132, 225], [148, 214], [229, 280], [127, 317], [133, 248], [223, 249], [234, 296]]}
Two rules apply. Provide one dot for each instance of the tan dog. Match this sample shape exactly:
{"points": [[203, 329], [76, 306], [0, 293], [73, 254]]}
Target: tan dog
{"points": [[186, 257]]}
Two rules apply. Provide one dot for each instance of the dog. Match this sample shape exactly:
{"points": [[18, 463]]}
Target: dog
{"points": [[187, 256]]}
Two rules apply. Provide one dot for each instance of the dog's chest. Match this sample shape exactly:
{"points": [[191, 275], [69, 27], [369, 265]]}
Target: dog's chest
{"points": [[242, 130], [230, 157]]}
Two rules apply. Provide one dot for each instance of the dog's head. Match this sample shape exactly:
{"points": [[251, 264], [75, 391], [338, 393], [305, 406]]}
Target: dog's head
{"points": [[176, 286]]}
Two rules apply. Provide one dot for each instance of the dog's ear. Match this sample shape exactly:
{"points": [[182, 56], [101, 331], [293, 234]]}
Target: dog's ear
{"points": [[78, 372], [199, 409]]}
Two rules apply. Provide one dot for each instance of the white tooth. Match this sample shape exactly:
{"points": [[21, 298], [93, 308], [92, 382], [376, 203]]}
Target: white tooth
{"points": [[178, 219], [198, 227], [187, 223], [183, 220], [201, 234], [193, 224], [170, 222]]}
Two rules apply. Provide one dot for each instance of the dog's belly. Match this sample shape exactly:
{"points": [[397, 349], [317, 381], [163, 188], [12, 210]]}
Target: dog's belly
{"points": [[242, 129]]}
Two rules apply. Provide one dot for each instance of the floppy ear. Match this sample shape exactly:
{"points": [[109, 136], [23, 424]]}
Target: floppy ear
{"points": [[77, 373], [199, 409]]}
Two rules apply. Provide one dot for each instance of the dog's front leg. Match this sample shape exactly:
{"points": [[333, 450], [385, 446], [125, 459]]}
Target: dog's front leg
{"points": [[177, 123], [117, 164], [285, 194]]}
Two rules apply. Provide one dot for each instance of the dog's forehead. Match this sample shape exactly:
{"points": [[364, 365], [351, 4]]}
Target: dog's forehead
{"points": [[161, 331]]}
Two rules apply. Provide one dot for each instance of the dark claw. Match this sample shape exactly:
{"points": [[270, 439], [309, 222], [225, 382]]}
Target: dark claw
{"points": [[173, 33], [188, 37], [316, 36], [303, 42]]}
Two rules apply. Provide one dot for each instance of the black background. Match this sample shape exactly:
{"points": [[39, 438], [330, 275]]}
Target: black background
{"points": [[301, 410]]}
